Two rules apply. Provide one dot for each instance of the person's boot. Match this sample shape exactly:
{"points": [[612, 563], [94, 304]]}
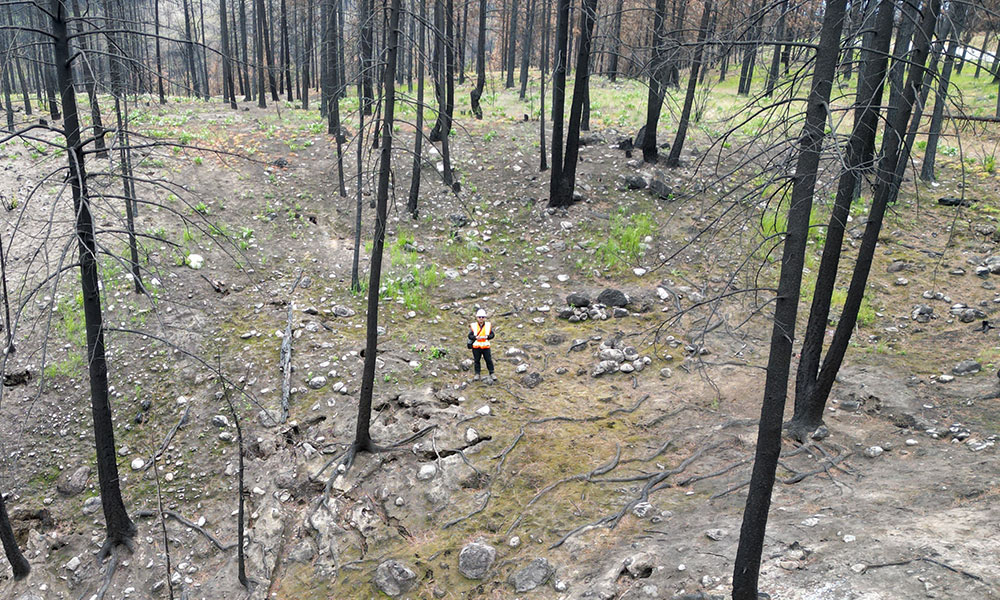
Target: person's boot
{"points": [[493, 377], [475, 377]]}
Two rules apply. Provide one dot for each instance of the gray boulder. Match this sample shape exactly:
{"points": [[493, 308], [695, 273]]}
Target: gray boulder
{"points": [[475, 559], [75, 483], [578, 299], [612, 297], [967, 367], [661, 190], [394, 578], [531, 380], [535, 574]]}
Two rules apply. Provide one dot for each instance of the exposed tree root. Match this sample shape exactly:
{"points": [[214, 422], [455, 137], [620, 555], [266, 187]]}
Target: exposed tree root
{"points": [[170, 436], [108, 575], [180, 519], [286, 355], [652, 484], [932, 561], [482, 507]]}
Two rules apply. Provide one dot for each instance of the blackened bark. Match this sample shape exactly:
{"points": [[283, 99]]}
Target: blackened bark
{"points": [[18, 564], [228, 87], [120, 528], [286, 54], [368, 15], [657, 66], [807, 417], [616, 40], [511, 46], [189, 53], [750, 51], [746, 570], [463, 40], [937, 117], [411, 204], [268, 50], [887, 187], [362, 437], [559, 98], [529, 32], [245, 58], [259, 45], [477, 93], [675, 151], [561, 187], [306, 63], [544, 60], [779, 36]]}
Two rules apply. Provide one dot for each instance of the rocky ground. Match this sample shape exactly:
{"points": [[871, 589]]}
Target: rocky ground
{"points": [[608, 461]]}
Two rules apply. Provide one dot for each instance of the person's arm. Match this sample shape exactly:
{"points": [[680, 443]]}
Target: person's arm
{"points": [[492, 333], [472, 336]]}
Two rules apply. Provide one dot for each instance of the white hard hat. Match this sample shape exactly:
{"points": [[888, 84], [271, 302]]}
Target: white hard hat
{"points": [[481, 312]]}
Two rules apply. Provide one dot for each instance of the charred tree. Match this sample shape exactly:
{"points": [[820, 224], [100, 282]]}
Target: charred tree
{"points": [[805, 419], [228, 88], [18, 564], [657, 87], [674, 159], [477, 93], [411, 203], [747, 566], [120, 529], [362, 438], [809, 416], [563, 176]]}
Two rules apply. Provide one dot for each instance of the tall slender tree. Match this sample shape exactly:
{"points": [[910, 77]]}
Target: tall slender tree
{"points": [[747, 565], [657, 84], [477, 92], [120, 529], [674, 159], [18, 564], [411, 203], [563, 175], [362, 438], [870, 84]]}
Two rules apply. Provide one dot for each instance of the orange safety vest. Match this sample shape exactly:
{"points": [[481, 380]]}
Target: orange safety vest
{"points": [[482, 335]]}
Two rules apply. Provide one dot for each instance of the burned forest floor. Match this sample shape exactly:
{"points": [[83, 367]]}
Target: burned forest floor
{"points": [[610, 458]]}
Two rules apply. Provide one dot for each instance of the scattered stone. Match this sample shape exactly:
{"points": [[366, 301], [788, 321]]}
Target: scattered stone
{"points": [[612, 297], [475, 559], [605, 366], [922, 313], [531, 380], [951, 201], [73, 564], [642, 509], [897, 266], [578, 299], [458, 220], [660, 189], [945, 378], [91, 505], [466, 364], [471, 436], [666, 373], [966, 367], [394, 578], [639, 566], [343, 311], [911, 442], [138, 464], [195, 261], [874, 451], [635, 182], [75, 483], [317, 382], [716, 534], [530, 577], [426, 472]]}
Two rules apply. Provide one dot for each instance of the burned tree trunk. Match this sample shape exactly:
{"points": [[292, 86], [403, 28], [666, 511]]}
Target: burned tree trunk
{"points": [[120, 529], [747, 566], [675, 151]]}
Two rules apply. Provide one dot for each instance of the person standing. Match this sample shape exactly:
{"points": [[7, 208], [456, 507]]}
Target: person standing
{"points": [[480, 334]]}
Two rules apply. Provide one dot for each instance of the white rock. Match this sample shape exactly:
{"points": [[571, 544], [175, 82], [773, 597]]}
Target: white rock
{"points": [[138, 464], [483, 410], [426, 472], [911, 442], [471, 436], [195, 261], [73, 564]]}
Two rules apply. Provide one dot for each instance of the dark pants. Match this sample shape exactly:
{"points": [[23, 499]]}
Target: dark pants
{"points": [[478, 353]]}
